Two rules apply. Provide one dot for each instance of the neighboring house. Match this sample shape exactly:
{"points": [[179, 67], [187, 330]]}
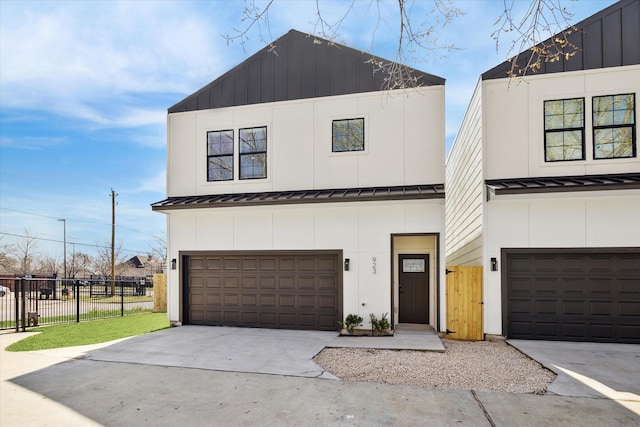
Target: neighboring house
{"points": [[299, 191], [141, 266], [543, 190]]}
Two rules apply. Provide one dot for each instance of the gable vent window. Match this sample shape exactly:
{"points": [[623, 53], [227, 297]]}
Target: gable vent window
{"points": [[564, 129], [348, 135], [220, 155], [614, 126], [253, 153]]}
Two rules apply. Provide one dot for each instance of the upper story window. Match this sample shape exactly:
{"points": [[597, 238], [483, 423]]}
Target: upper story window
{"points": [[220, 155], [614, 126], [564, 129], [348, 135], [253, 153]]}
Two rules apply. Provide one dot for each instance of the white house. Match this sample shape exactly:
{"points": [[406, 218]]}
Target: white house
{"points": [[299, 191], [543, 190]]}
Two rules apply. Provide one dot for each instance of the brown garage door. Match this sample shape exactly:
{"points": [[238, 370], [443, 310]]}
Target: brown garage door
{"points": [[572, 295], [292, 290]]}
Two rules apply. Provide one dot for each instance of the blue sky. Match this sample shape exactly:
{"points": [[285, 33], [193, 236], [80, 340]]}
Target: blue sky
{"points": [[85, 87]]}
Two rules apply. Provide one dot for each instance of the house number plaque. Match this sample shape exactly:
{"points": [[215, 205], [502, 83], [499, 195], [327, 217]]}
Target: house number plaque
{"points": [[373, 264]]}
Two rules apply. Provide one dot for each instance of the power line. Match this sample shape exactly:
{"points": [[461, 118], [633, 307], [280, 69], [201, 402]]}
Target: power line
{"points": [[84, 221], [72, 243]]}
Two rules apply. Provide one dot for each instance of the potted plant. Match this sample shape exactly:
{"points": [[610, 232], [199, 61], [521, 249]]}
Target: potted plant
{"points": [[350, 323], [382, 325]]}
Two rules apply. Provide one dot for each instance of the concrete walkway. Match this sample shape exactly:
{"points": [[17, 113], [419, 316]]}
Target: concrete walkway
{"points": [[405, 337]]}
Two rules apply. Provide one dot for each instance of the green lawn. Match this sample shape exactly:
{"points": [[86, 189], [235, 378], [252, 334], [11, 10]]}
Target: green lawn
{"points": [[91, 332]]}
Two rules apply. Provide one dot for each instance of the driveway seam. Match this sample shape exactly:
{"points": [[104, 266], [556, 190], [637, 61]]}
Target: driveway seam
{"points": [[486, 414]]}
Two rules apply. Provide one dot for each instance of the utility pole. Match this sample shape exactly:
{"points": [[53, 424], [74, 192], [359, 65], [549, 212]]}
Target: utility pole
{"points": [[64, 228], [113, 242]]}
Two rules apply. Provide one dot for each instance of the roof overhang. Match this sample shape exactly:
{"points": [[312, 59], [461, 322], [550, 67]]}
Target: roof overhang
{"points": [[555, 184], [410, 192]]}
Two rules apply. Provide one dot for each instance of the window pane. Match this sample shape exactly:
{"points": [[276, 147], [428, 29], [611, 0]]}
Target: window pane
{"points": [[564, 146], [253, 140], [413, 266], [348, 135], [253, 166], [613, 143], [614, 125], [219, 142], [614, 110], [220, 168], [564, 114]]}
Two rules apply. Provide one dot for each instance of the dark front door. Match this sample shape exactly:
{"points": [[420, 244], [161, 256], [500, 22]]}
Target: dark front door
{"points": [[413, 289]]}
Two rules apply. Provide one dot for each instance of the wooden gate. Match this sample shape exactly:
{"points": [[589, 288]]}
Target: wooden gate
{"points": [[465, 303]]}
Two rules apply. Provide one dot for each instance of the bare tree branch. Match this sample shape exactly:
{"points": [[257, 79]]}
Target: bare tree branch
{"points": [[544, 28]]}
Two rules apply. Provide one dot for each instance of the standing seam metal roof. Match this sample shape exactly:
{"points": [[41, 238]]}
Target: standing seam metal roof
{"points": [[411, 192], [295, 66]]}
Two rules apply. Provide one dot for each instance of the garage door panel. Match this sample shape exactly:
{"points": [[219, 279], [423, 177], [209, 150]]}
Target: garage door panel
{"points": [[546, 307], [267, 301], [267, 263], [249, 263], [629, 288], [249, 300], [307, 282], [287, 320], [574, 308], [213, 264], [629, 308], [230, 282], [198, 282], [286, 264], [327, 302], [265, 289], [327, 283], [287, 302], [629, 333], [602, 308], [592, 296], [545, 286], [307, 264], [197, 263], [545, 330], [249, 282], [286, 282], [212, 300]]}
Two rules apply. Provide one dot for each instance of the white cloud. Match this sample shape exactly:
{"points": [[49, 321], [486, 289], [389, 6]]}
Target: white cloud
{"points": [[65, 56]]}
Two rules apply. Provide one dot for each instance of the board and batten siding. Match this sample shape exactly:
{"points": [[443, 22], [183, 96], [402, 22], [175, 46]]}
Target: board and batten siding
{"points": [[404, 143], [464, 186], [361, 230], [513, 122]]}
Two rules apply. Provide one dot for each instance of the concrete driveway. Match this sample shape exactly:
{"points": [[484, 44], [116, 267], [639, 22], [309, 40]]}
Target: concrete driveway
{"points": [[596, 370], [249, 350], [206, 376]]}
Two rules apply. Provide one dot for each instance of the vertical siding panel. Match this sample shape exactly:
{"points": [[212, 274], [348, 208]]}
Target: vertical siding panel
{"points": [[612, 40]]}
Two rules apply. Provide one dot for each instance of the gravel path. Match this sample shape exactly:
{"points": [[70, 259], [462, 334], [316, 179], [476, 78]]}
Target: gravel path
{"points": [[482, 365]]}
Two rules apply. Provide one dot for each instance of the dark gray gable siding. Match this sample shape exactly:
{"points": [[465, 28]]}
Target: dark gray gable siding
{"points": [[298, 69], [610, 38]]}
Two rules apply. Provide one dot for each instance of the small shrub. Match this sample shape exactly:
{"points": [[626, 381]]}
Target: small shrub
{"points": [[379, 325], [351, 322]]}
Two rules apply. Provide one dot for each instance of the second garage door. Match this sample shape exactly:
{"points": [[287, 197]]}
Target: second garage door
{"points": [[292, 290], [572, 295]]}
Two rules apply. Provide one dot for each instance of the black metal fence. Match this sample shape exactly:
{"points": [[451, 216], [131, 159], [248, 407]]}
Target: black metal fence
{"points": [[27, 302]]}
